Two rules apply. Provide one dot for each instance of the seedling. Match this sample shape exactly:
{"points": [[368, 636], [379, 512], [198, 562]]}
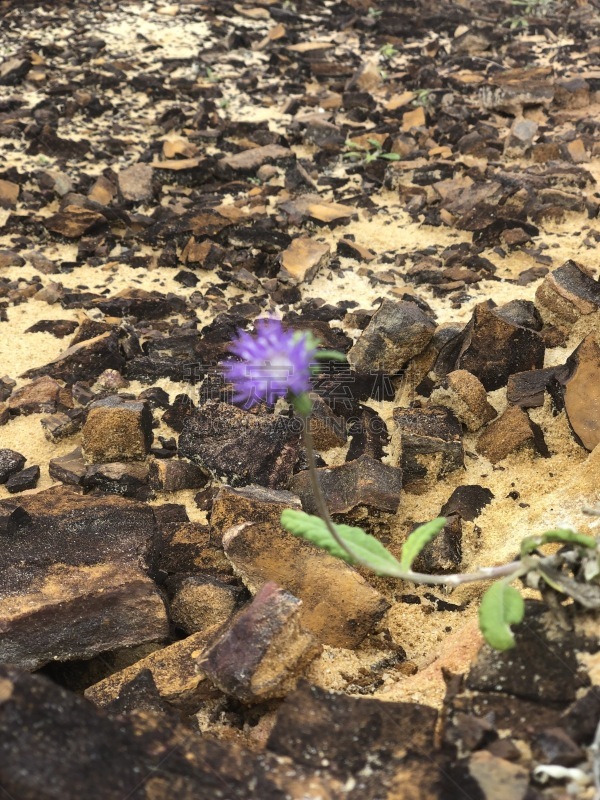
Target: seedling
{"points": [[368, 154]]}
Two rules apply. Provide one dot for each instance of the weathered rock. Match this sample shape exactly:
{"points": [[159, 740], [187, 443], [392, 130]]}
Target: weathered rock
{"points": [[77, 612], [41, 395], [73, 743], [465, 395], [327, 429], [125, 479], [249, 504], [581, 392], [23, 480], [568, 293], [555, 746], [9, 194], [61, 425], [241, 446], [431, 444], [174, 670], [139, 303], [188, 547], [542, 667], [369, 435], [497, 778], [117, 430], [135, 183], [6, 387], [363, 739], [263, 651], [175, 474], [338, 605], [11, 462], [69, 469], [364, 482], [444, 553], [467, 502], [84, 361], [494, 348], [13, 70], [397, 332], [526, 389], [73, 221], [201, 601], [301, 261], [520, 137], [61, 526], [57, 327], [509, 433], [248, 161]]}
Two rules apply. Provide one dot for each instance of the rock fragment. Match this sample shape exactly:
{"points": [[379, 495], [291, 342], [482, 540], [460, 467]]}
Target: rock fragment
{"points": [[73, 221], [78, 612], [202, 601], [172, 475], [249, 504], [527, 389], [512, 431], [135, 183], [241, 446], [85, 360], [465, 395], [498, 778], [338, 605], [69, 469], [581, 392], [248, 161], [467, 502], [23, 480], [117, 430], [495, 348], [364, 482], [41, 395], [568, 293], [263, 651], [125, 479], [11, 462], [61, 425], [397, 332], [303, 259], [431, 444], [444, 553]]}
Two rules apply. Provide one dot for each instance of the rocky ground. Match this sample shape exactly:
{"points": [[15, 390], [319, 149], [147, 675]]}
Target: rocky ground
{"points": [[417, 184]]}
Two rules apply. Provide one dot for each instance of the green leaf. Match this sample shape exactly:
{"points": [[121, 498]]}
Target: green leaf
{"points": [[366, 547], [302, 404], [391, 156], [418, 539], [330, 355], [565, 535], [501, 607]]}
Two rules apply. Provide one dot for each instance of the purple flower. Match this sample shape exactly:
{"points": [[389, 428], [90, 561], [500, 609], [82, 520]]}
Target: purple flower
{"points": [[274, 362]]}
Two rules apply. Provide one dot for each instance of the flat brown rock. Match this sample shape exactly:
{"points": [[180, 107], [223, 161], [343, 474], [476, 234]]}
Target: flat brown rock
{"points": [[77, 612], [74, 221], [507, 434], [303, 259], [84, 360], [465, 395], [582, 392], [135, 183], [251, 160], [338, 605], [249, 504]]}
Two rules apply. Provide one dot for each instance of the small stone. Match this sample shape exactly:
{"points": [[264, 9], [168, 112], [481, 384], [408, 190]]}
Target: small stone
{"points": [[57, 327], [465, 395], [263, 651], [9, 194], [349, 249], [303, 259], [568, 293], [431, 445], [201, 601], [61, 425], [327, 429], [520, 137], [248, 161], [175, 474], [467, 502], [249, 504], [23, 480], [78, 612], [555, 746], [188, 547], [527, 389], [110, 380], [85, 360], [397, 332], [364, 482], [135, 183], [181, 409], [103, 191], [512, 431], [68, 469], [117, 430], [6, 387], [581, 392], [498, 779], [444, 553], [174, 670], [39, 396], [338, 605], [241, 446], [125, 479], [73, 221], [494, 347], [11, 462]]}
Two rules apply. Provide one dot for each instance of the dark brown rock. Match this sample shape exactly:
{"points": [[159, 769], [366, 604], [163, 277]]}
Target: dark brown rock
{"points": [[512, 431], [338, 605], [188, 548], [526, 389], [23, 480], [467, 502], [61, 425], [568, 293], [117, 430], [73, 221], [77, 612], [431, 443], [11, 462], [369, 435], [39, 396], [69, 469], [139, 303], [6, 387], [249, 504], [241, 446], [57, 327], [328, 430], [397, 332], [263, 651], [175, 474], [85, 360], [364, 482], [494, 348], [444, 553], [202, 601], [555, 746], [125, 479]]}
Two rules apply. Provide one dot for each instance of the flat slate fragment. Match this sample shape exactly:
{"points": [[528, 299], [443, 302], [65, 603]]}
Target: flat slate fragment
{"points": [[83, 361], [581, 392], [73, 613]]}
